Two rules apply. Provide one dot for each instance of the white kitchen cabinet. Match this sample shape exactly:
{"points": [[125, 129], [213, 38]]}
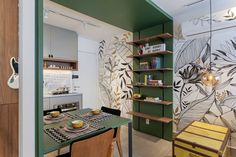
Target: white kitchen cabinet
{"points": [[61, 43], [46, 104], [52, 101], [46, 41], [55, 101]]}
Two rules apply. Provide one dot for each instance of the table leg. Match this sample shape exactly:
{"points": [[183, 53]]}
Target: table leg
{"points": [[130, 139]]}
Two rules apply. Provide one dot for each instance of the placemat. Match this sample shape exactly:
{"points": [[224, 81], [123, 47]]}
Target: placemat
{"points": [[88, 116], [60, 135]]}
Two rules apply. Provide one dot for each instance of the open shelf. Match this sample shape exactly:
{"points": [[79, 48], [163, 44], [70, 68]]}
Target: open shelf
{"points": [[150, 54], [149, 70], [160, 102], [60, 64], [151, 38], [151, 86], [151, 117]]}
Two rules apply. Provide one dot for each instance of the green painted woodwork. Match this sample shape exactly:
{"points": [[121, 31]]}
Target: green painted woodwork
{"points": [[155, 128], [39, 78], [131, 15], [51, 145]]}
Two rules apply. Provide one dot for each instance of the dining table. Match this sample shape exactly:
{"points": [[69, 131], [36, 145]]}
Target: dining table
{"points": [[57, 137]]}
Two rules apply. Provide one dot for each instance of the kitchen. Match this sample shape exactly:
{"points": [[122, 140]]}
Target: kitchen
{"points": [[70, 64]]}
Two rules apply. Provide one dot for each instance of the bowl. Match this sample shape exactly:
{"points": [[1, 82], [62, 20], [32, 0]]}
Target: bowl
{"points": [[77, 124], [96, 111], [54, 114]]}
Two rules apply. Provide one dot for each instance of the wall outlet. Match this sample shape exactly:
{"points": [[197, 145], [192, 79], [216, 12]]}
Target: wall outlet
{"points": [[147, 121]]}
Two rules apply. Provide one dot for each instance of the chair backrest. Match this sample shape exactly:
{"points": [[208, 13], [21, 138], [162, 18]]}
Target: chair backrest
{"points": [[111, 111], [97, 146]]}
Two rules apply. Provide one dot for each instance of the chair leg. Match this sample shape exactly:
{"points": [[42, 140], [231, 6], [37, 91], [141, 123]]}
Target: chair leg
{"points": [[111, 150], [118, 142]]}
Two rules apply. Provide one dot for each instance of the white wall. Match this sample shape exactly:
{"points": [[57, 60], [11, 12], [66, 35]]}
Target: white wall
{"points": [[27, 78], [88, 72]]}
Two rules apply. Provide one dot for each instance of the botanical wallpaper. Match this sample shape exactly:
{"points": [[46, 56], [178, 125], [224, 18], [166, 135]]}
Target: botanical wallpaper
{"points": [[193, 100], [115, 72], [222, 19]]}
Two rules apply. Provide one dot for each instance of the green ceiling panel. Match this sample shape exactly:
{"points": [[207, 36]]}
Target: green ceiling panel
{"points": [[131, 15]]}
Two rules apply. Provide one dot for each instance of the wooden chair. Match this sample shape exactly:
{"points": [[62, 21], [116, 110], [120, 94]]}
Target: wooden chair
{"points": [[97, 146], [117, 130]]}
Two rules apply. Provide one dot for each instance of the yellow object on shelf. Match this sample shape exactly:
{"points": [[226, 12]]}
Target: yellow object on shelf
{"points": [[201, 140]]}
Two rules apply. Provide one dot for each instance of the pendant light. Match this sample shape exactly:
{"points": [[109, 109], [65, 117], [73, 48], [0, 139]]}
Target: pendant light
{"points": [[210, 78]]}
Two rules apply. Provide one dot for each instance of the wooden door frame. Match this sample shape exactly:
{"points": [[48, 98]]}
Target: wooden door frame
{"points": [[31, 79]]}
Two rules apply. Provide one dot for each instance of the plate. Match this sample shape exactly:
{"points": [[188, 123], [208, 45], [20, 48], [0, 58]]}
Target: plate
{"points": [[49, 117], [69, 128]]}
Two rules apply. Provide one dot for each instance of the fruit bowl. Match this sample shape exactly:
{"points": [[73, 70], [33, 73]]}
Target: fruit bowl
{"points": [[96, 111], [77, 124]]}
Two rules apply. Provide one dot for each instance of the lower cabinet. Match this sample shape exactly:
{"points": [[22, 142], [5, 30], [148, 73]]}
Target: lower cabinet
{"points": [[52, 102]]}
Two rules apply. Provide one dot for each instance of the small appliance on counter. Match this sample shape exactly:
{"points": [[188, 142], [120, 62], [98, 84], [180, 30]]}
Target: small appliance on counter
{"points": [[61, 90]]}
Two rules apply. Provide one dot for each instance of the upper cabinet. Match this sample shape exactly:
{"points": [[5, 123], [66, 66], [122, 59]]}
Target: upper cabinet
{"points": [[60, 43]]}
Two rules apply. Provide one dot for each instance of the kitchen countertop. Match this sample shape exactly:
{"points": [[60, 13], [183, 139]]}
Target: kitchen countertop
{"points": [[61, 95]]}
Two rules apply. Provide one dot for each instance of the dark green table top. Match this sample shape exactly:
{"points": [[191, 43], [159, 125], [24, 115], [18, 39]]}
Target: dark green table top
{"points": [[51, 145]]}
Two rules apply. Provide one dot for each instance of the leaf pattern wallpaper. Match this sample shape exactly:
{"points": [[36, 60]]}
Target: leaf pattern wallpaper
{"points": [[115, 73], [193, 100]]}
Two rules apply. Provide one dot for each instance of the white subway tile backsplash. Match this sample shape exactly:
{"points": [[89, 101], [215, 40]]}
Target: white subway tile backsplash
{"points": [[54, 79]]}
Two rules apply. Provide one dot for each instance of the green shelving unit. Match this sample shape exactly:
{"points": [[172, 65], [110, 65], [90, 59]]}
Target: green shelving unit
{"points": [[154, 118]]}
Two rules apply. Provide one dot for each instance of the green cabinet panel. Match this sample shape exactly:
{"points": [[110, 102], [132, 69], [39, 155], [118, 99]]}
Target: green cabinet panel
{"points": [[155, 128]]}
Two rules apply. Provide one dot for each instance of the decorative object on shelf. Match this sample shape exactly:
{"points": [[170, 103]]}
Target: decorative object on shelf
{"points": [[210, 77], [149, 77], [151, 99], [13, 81], [145, 80], [158, 48], [144, 65], [141, 49], [155, 82], [156, 63], [147, 49], [137, 96]]}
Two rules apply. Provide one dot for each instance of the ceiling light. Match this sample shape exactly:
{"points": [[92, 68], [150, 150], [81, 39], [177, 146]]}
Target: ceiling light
{"points": [[210, 78]]}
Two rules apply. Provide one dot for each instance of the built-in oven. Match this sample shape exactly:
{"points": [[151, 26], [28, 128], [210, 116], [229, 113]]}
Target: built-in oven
{"points": [[69, 107]]}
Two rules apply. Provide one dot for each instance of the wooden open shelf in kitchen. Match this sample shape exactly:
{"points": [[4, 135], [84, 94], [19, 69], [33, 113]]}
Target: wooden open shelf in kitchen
{"points": [[60, 64], [151, 117], [153, 102], [151, 54], [151, 38]]}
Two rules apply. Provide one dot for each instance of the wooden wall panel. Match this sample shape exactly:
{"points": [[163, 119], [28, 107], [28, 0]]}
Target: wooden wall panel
{"points": [[4, 130], [8, 47], [8, 97]]}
